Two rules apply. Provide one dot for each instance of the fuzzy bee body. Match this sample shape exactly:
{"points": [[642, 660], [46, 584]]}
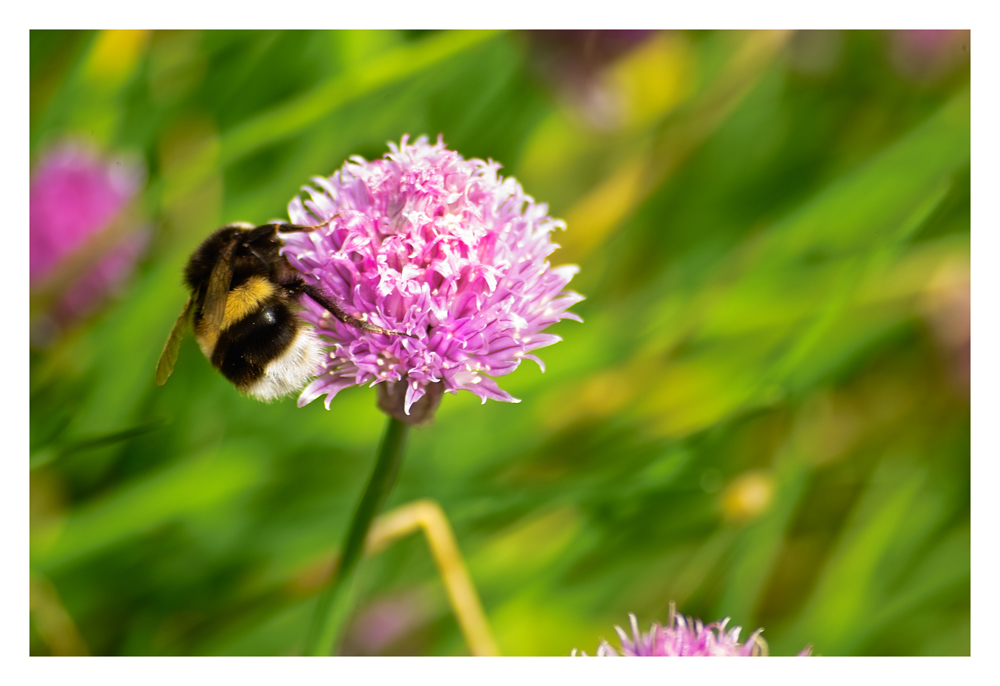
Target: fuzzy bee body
{"points": [[244, 312]]}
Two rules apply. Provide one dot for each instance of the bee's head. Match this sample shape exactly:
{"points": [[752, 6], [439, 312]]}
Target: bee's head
{"points": [[206, 255]]}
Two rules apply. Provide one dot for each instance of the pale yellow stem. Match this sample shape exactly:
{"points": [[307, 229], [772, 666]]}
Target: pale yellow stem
{"points": [[428, 515]]}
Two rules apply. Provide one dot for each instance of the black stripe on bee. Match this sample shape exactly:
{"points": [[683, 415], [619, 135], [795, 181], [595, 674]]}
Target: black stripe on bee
{"points": [[244, 350]]}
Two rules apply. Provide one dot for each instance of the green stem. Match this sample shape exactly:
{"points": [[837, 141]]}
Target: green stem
{"points": [[335, 602]]}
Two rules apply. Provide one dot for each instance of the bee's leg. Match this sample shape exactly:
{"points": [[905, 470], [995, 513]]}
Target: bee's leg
{"points": [[282, 227], [266, 232], [337, 311]]}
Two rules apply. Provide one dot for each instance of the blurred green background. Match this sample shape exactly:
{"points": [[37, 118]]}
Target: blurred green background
{"points": [[765, 414]]}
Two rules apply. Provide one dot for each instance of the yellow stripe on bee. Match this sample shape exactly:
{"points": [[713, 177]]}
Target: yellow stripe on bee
{"points": [[246, 298]]}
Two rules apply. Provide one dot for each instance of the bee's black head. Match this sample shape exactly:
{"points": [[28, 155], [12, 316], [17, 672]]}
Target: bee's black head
{"points": [[206, 255]]}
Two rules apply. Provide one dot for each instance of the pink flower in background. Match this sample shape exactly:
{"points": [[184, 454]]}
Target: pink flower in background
{"points": [[441, 248], [574, 63], [75, 194], [924, 55], [686, 637], [571, 58]]}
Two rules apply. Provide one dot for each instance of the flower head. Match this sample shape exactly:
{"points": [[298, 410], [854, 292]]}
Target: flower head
{"points": [[436, 246], [76, 196], [686, 637]]}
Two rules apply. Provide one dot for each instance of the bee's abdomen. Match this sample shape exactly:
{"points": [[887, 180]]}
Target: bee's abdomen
{"points": [[247, 346]]}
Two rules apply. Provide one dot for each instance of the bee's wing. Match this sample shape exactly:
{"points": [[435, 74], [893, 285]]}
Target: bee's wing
{"points": [[169, 355], [213, 312]]}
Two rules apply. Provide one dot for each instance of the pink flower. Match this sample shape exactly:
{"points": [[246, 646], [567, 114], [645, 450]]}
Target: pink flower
{"points": [[436, 246], [686, 637], [75, 195], [925, 56]]}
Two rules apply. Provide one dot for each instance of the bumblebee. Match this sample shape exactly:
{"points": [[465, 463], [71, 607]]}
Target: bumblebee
{"points": [[244, 309]]}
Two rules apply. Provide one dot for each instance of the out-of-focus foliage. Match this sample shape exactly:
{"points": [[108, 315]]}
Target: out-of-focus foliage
{"points": [[765, 414]]}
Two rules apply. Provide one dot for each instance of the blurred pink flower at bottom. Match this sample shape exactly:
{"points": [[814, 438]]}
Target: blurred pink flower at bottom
{"points": [[686, 637]]}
